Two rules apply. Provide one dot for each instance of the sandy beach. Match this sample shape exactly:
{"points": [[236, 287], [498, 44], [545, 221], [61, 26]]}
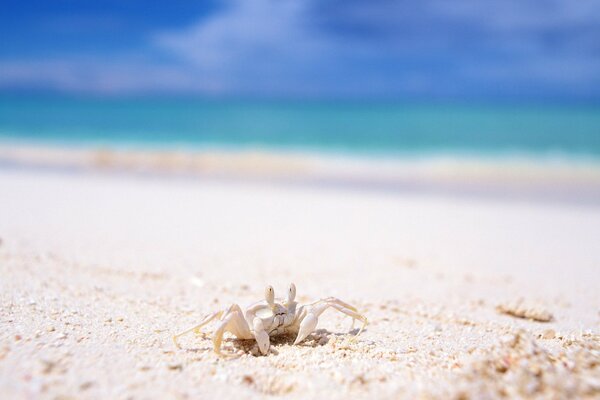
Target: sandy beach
{"points": [[405, 195], [467, 296]]}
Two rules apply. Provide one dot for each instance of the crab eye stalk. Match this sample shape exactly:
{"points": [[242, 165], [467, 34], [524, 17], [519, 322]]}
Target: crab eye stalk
{"points": [[270, 295], [292, 292]]}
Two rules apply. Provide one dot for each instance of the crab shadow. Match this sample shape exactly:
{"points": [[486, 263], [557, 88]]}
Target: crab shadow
{"points": [[318, 338], [238, 347]]}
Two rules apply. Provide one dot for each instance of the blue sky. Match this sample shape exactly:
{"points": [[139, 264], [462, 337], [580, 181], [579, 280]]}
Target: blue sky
{"points": [[429, 49]]}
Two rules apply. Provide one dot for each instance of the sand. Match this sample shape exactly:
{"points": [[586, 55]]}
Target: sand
{"points": [[467, 297], [551, 178]]}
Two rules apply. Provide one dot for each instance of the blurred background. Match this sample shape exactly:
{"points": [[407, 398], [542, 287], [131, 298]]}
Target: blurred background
{"points": [[395, 80]]}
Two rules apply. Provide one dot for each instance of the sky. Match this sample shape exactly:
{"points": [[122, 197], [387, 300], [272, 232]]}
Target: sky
{"points": [[428, 49]]}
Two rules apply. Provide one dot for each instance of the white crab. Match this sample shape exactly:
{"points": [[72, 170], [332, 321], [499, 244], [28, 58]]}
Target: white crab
{"points": [[271, 317]]}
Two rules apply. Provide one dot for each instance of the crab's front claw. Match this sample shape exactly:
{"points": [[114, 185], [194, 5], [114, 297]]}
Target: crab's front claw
{"points": [[308, 324], [262, 339], [261, 336]]}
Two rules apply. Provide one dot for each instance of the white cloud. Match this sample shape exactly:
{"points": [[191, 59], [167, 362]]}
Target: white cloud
{"points": [[350, 48], [511, 16], [97, 76], [246, 29], [252, 43]]}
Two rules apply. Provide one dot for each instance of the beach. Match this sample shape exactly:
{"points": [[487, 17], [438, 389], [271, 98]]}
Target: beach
{"points": [[295, 199], [469, 294]]}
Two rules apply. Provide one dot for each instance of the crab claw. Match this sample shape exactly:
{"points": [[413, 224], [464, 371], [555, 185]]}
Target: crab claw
{"points": [[308, 324], [262, 339], [261, 336]]}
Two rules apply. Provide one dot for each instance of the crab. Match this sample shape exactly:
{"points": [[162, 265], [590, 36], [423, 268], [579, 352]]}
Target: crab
{"points": [[272, 317]]}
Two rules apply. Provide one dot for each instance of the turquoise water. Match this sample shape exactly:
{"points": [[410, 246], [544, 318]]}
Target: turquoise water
{"points": [[363, 128]]}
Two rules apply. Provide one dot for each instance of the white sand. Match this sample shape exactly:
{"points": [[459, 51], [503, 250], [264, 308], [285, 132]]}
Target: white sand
{"points": [[98, 271]]}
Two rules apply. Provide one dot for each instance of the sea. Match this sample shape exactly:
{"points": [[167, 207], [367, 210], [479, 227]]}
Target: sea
{"points": [[364, 128]]}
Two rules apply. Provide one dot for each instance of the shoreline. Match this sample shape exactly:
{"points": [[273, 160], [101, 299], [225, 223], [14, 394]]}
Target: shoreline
{"points": [[551, 179]]}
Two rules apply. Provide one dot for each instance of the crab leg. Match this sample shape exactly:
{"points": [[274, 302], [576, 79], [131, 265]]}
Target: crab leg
{"points": [[311, 318], [234, 322], [196, 329], [345, 305], [334, 300]]}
